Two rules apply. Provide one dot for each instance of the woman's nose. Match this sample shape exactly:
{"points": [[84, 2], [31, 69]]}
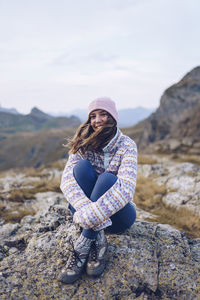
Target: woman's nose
{"points": [[98, 119]]}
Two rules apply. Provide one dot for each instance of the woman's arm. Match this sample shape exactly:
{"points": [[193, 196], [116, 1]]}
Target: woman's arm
{"points": [[96, 213], [72, 191], [69, 186]]}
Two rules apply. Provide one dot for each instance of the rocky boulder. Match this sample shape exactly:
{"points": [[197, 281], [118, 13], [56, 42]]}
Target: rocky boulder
{"points": [[182, 181], [148, 261]]}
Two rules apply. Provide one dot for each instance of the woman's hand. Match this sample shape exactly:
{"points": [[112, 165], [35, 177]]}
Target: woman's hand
{"points": [[78, 218]]}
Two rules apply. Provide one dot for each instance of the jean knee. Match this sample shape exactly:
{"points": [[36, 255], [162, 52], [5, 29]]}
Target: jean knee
{"points": [[83, 163], [107, 177], [82, 167]]}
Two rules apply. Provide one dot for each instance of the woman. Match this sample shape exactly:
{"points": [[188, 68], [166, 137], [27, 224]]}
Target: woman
{"points": [[98, 181]]}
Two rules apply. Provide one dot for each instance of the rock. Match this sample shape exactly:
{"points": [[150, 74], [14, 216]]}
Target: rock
{"points": [[197, 145], [142, 214], [174, 144], [175, 125], [8, 230], [148, 261], [44, 201], [188, 141], [181, 179], [194, 151], [12, 250]]}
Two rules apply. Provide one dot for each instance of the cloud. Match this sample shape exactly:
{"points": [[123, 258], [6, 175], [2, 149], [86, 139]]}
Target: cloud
{"points": [[125, 48]]}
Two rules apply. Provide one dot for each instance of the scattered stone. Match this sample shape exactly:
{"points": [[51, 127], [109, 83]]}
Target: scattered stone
{"points": [[181, 179]]}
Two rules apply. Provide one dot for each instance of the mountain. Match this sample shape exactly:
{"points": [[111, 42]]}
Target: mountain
{"points": [[127, 117], [80, 113], [34, 121], [9, 110], [39, 116], [33, 149], [131, 116], [175, 125]]}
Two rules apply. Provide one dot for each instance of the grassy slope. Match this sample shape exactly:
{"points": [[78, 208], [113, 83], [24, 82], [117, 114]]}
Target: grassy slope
{"points": [[10, 123], [32, 149]]}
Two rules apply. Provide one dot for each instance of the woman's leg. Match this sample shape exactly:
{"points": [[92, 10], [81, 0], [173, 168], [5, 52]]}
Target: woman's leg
{"points": [[123, 219], [86, 178], [120, 221], [94, 187], [126, 216]]}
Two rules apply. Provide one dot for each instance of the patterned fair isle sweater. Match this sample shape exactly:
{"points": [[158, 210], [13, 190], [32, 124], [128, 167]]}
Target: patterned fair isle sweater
{"points": [[118, 157]]}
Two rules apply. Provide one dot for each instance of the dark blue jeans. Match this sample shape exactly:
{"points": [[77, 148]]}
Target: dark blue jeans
{"points": [[94, 187]]}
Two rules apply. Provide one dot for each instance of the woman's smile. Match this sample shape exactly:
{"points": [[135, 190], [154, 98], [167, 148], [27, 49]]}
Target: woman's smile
{"points": [[98, 119]]}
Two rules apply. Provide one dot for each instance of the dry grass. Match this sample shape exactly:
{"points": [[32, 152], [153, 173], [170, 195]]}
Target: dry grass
{"points": [[60, 164], [194, 159], [148, 196], [146, 160], [43, 171], [15, 213], [43, 185], [148, 193], [20, 198], [20, 195], [181, 218]]}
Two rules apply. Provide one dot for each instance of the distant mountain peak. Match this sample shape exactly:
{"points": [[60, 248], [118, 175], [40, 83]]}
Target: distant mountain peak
{"points": [[9, 110], [35, 110], [38, 114]]}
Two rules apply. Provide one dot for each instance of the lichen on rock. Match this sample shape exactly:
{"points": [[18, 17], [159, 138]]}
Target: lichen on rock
{"points": [[148, 261]]}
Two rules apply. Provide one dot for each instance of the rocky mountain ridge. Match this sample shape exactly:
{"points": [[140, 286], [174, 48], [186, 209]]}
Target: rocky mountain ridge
{"points": [[36, 120], [175, 125]]}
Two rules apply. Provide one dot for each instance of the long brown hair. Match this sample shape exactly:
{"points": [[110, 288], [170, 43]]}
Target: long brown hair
{"points": [[86, 138]]}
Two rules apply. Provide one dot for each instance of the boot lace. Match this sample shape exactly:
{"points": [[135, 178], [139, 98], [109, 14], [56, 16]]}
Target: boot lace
{"points": [[94, 250], [75, 256]]}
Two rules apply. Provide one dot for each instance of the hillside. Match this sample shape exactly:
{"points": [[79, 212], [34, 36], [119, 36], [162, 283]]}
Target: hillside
{"points": [[175, 126], [33, 149], [36, 120], [9, 110]]}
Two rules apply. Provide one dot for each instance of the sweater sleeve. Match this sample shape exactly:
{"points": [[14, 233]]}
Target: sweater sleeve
{"points": [[69, 186], [96, 213], [73, 193]]}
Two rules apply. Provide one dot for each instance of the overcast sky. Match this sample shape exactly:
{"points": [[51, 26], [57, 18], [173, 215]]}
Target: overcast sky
{"points": [[59, 55]]}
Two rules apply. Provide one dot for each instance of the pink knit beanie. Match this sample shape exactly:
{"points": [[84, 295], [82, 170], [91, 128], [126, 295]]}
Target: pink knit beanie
{"points": [[106, 104]]}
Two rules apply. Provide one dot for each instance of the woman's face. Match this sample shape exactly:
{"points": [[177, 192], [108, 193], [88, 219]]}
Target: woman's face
{"points": [[98, 119]]}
